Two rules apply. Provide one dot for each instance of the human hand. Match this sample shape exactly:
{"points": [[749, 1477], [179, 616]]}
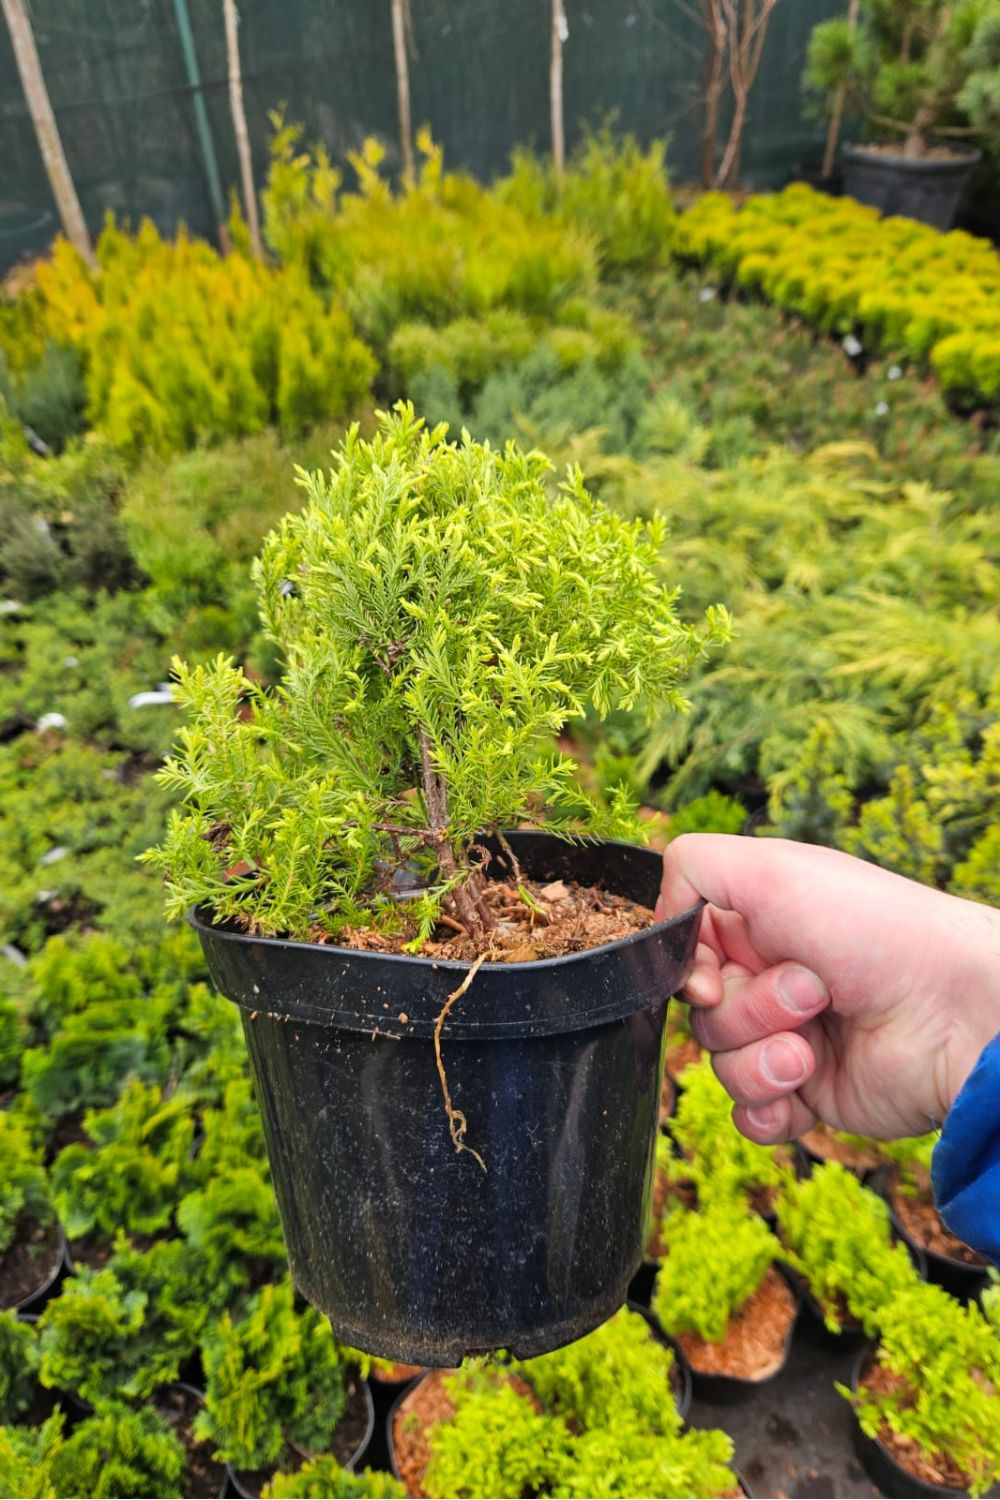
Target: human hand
{"points": [[830, 989]]}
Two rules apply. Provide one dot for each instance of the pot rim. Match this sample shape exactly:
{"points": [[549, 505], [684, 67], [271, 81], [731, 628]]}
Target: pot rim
{"points": [[870, 151], [35, 1300], [199, 917]]}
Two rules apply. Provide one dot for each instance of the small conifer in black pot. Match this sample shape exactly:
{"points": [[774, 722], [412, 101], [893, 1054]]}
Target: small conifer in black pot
{"points": [[455, 1032]]}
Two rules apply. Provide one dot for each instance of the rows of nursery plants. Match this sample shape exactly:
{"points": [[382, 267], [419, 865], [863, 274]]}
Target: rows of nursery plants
{"points": [[808, 395]]}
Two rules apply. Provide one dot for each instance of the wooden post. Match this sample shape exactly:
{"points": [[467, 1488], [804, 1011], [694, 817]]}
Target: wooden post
{"points": [[240, 125], [46, 130], [560, 32], [403, 86], [839, 100]]}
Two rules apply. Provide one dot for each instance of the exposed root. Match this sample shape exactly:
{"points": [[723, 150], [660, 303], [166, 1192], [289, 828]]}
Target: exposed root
{"points": [[457, 1123]]}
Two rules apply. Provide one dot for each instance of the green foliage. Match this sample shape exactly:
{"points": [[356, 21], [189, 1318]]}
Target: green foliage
{"points": [[722, 1163], [946, 1398], [495, 1444], [906, 287], [49, 397], [13, 1036], [274, 1379], [59, 518], [182, 345], [401, 672], [19, 1359], [616, 1463], [26, 1455], [979, 96], [613, 190], [615, 1378], [90, 1060], [136, 1170], [194, 522], [120, 1332], [233, 1228], [120, 1453], [24, 1187], [905, 67], [322, 1478], [838, 1235], [440, 249], [715, 1260]]}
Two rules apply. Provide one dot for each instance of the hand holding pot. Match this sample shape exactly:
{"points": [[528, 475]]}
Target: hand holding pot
{"points": [[830, 989]]}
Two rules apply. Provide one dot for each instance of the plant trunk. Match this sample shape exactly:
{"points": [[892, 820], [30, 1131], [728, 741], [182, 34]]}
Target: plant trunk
{"points": [[559, 32], [839, 100], [713, 90], [402, 86], [916, 140], [240, 125], [46, 131], [466, 896]]}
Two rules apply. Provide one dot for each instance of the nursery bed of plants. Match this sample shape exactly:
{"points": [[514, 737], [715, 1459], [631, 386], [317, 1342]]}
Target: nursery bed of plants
{"points": [[826, 457]]}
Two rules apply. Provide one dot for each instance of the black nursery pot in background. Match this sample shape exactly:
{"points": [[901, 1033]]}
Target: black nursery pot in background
{"points": [[925, 188], [412, 1249]]}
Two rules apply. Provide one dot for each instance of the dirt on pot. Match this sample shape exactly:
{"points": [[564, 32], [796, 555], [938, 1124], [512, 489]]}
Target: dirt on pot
{"points": [[177, 1406], [532, 920], [907, 1453], [29, 1263], [921, 1221], [756, 1340], [416, 1416]]}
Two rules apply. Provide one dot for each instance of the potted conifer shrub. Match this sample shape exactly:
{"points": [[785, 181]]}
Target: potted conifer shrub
{"points": [[837, 1238], [927, 1397], [454, 1022], [720, 1295], [909, 68]]}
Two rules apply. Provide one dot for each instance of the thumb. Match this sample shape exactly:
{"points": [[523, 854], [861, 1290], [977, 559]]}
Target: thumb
{"points": [[721, 868]]}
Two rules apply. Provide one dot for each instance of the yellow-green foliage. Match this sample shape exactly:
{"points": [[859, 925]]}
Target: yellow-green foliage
{"points": [[441, 248], [182, 344], [908, 288]]}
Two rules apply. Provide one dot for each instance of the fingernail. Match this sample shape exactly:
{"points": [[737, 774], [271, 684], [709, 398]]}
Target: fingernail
{"points": [[801, 990], [781, 1063], [763, 1118]]}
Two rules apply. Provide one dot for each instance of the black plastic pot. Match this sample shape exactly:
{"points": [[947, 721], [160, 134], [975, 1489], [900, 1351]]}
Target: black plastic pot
{"points": [[682, 1395], [928, 189], [956, 1276], [412, 1249], [882, 1469], [723, 1390], [247, 1488], [36, 1299], [190, 1390]]}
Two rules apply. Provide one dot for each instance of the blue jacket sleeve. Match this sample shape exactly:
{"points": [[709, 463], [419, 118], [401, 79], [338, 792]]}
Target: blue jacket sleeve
{"points": [[966, 1162]]}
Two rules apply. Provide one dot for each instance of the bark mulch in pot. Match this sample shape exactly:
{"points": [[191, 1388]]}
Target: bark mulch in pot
{"points": [[824, 1145], [391, 1372], [938, 1470], [756, 1341], [419, 1412], [919, 1218], [561, 917], [30, 1263]]}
